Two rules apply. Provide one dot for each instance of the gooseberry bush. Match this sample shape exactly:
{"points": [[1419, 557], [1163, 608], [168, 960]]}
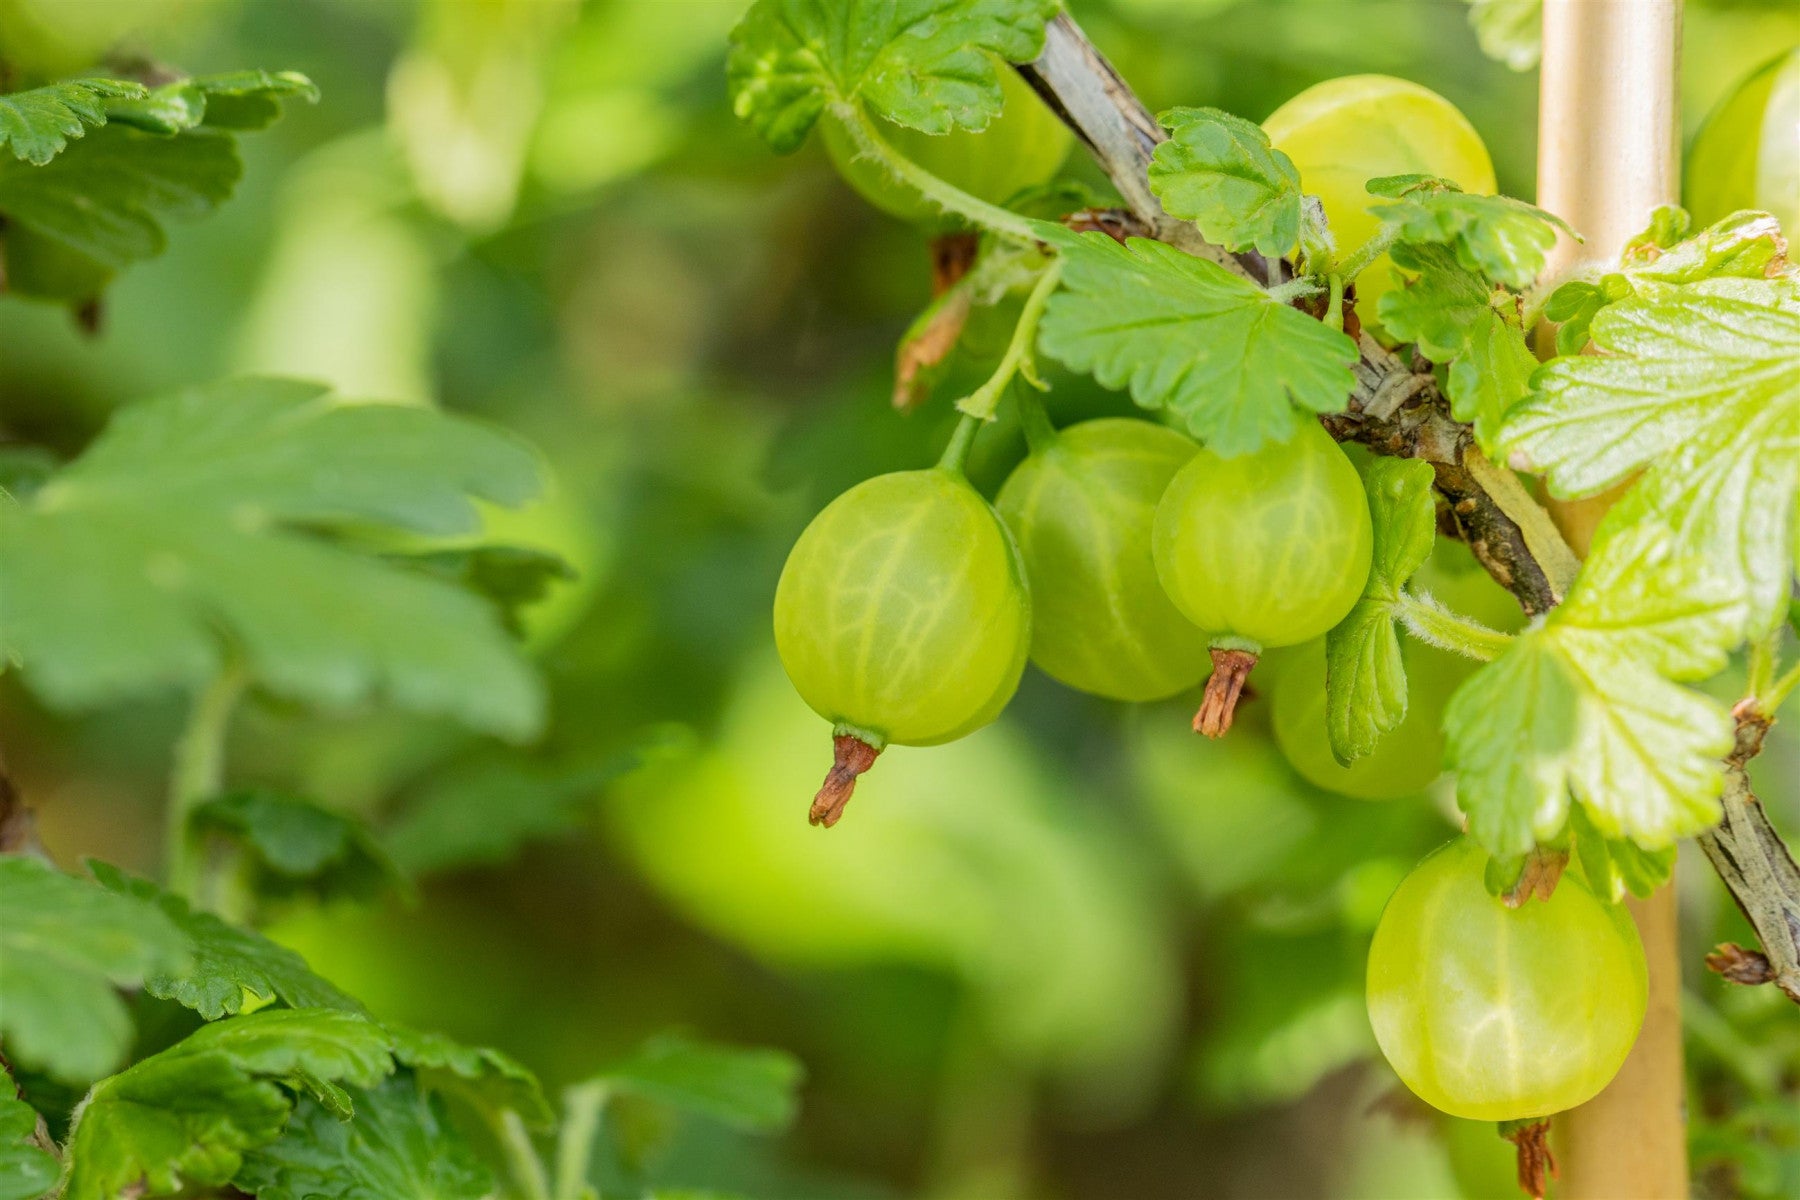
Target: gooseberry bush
{"points": [[1327, 322], [257, 536]]}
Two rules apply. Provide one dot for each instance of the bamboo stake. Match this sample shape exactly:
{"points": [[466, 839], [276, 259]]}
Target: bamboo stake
{"points": [[1608, 152]]}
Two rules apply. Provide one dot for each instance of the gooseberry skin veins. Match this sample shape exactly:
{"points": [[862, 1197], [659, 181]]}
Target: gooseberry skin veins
{"points": [[1498, 1014], [1022, 147], [903, 614], [1081, 511], [1404, 762], [1270, 548]]}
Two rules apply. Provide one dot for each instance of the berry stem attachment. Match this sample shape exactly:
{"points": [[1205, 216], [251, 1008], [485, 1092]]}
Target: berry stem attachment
{"points": [[1334, 308], [1040, 434], [1021, 352], [1432, 623], [948, 197], [852, 755], [1532, 1138], [956, 454], [1231, 667]]}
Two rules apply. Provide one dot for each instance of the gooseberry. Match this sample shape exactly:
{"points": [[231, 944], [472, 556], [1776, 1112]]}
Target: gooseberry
{"points": [[1344, 132], [902, 616], [1501, 1014], [1081, 507], [1022, 147], [1266, 549]]}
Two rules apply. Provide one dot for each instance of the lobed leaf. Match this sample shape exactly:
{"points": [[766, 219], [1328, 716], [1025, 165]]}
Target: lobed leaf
{"points": [[39, 124], [187, 1115], [1449, 313], [227, 961], [929, 65], [1240, 367], [1496, 237], [66, 945], [1365, 676], [197, 526], [297, 846], [1695, 387], [1221, 172], [399, 1145], [237, 100], [484, 1078]]}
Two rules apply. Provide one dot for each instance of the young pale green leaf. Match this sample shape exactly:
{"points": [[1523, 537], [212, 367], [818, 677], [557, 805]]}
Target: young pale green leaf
{"points": [[926, 64], [486, 1079], [239, 100], [1497, 237], [751, 1089], [298, 847], [399, 1145], [1745, 245], [185, 1116], [227, 961], [1584, 706], [27, 1170], [1365, 678], [1449, 312], [193, 528], [1241, 368], [66, 945], [39, 124], [1510, 31], [1220, 172], [1695, 387]]}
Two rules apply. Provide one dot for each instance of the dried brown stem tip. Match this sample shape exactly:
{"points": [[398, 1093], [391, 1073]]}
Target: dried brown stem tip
{"points": [[851, 756], [1535, 1159], [1749, 967], [1230, 669]]}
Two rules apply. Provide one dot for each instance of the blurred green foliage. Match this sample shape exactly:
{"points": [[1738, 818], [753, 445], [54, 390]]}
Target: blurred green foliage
{"points": [[1076, 955]]}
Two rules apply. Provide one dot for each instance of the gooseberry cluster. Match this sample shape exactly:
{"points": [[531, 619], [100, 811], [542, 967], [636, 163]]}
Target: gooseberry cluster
{"points": [[1130, 562]]}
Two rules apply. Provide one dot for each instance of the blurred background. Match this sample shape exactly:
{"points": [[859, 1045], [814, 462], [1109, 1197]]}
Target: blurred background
{"points": [[1080, 954]]}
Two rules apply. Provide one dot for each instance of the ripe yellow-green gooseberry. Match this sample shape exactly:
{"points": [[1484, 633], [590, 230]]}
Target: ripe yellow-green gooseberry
{"points": [[1403, 763], [1262, 550], [1747, 154], [1344, 132], [902, 616], [1022, 147], [1081, 507], [1502, 1014]]}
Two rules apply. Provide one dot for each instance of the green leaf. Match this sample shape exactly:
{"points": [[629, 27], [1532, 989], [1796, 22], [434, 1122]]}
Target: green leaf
{"points": [[1240, 367], [66, 945], [1449, 313], [398, 1146], [298, 847], [484, 1078], [1745, 245], [1365, 678], [186, 1116], [512, 577], [1584, 706], [1615, 867], [1510, 31], [1696, 388], [39, 124], [196, 526], [227, 961], [238, 100], [926, 64], [1220, 172], [750, 1089], [1497, 237], [26, 1169]]}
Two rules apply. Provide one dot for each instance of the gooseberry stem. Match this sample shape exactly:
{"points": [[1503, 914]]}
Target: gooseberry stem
{"points": [[1365, 255], [1231, 668], [198, 774], [1020, 357], [852, 755], [956, 455], [946, 196], [1040, 434], [1432, 623], [1334, 308]]}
